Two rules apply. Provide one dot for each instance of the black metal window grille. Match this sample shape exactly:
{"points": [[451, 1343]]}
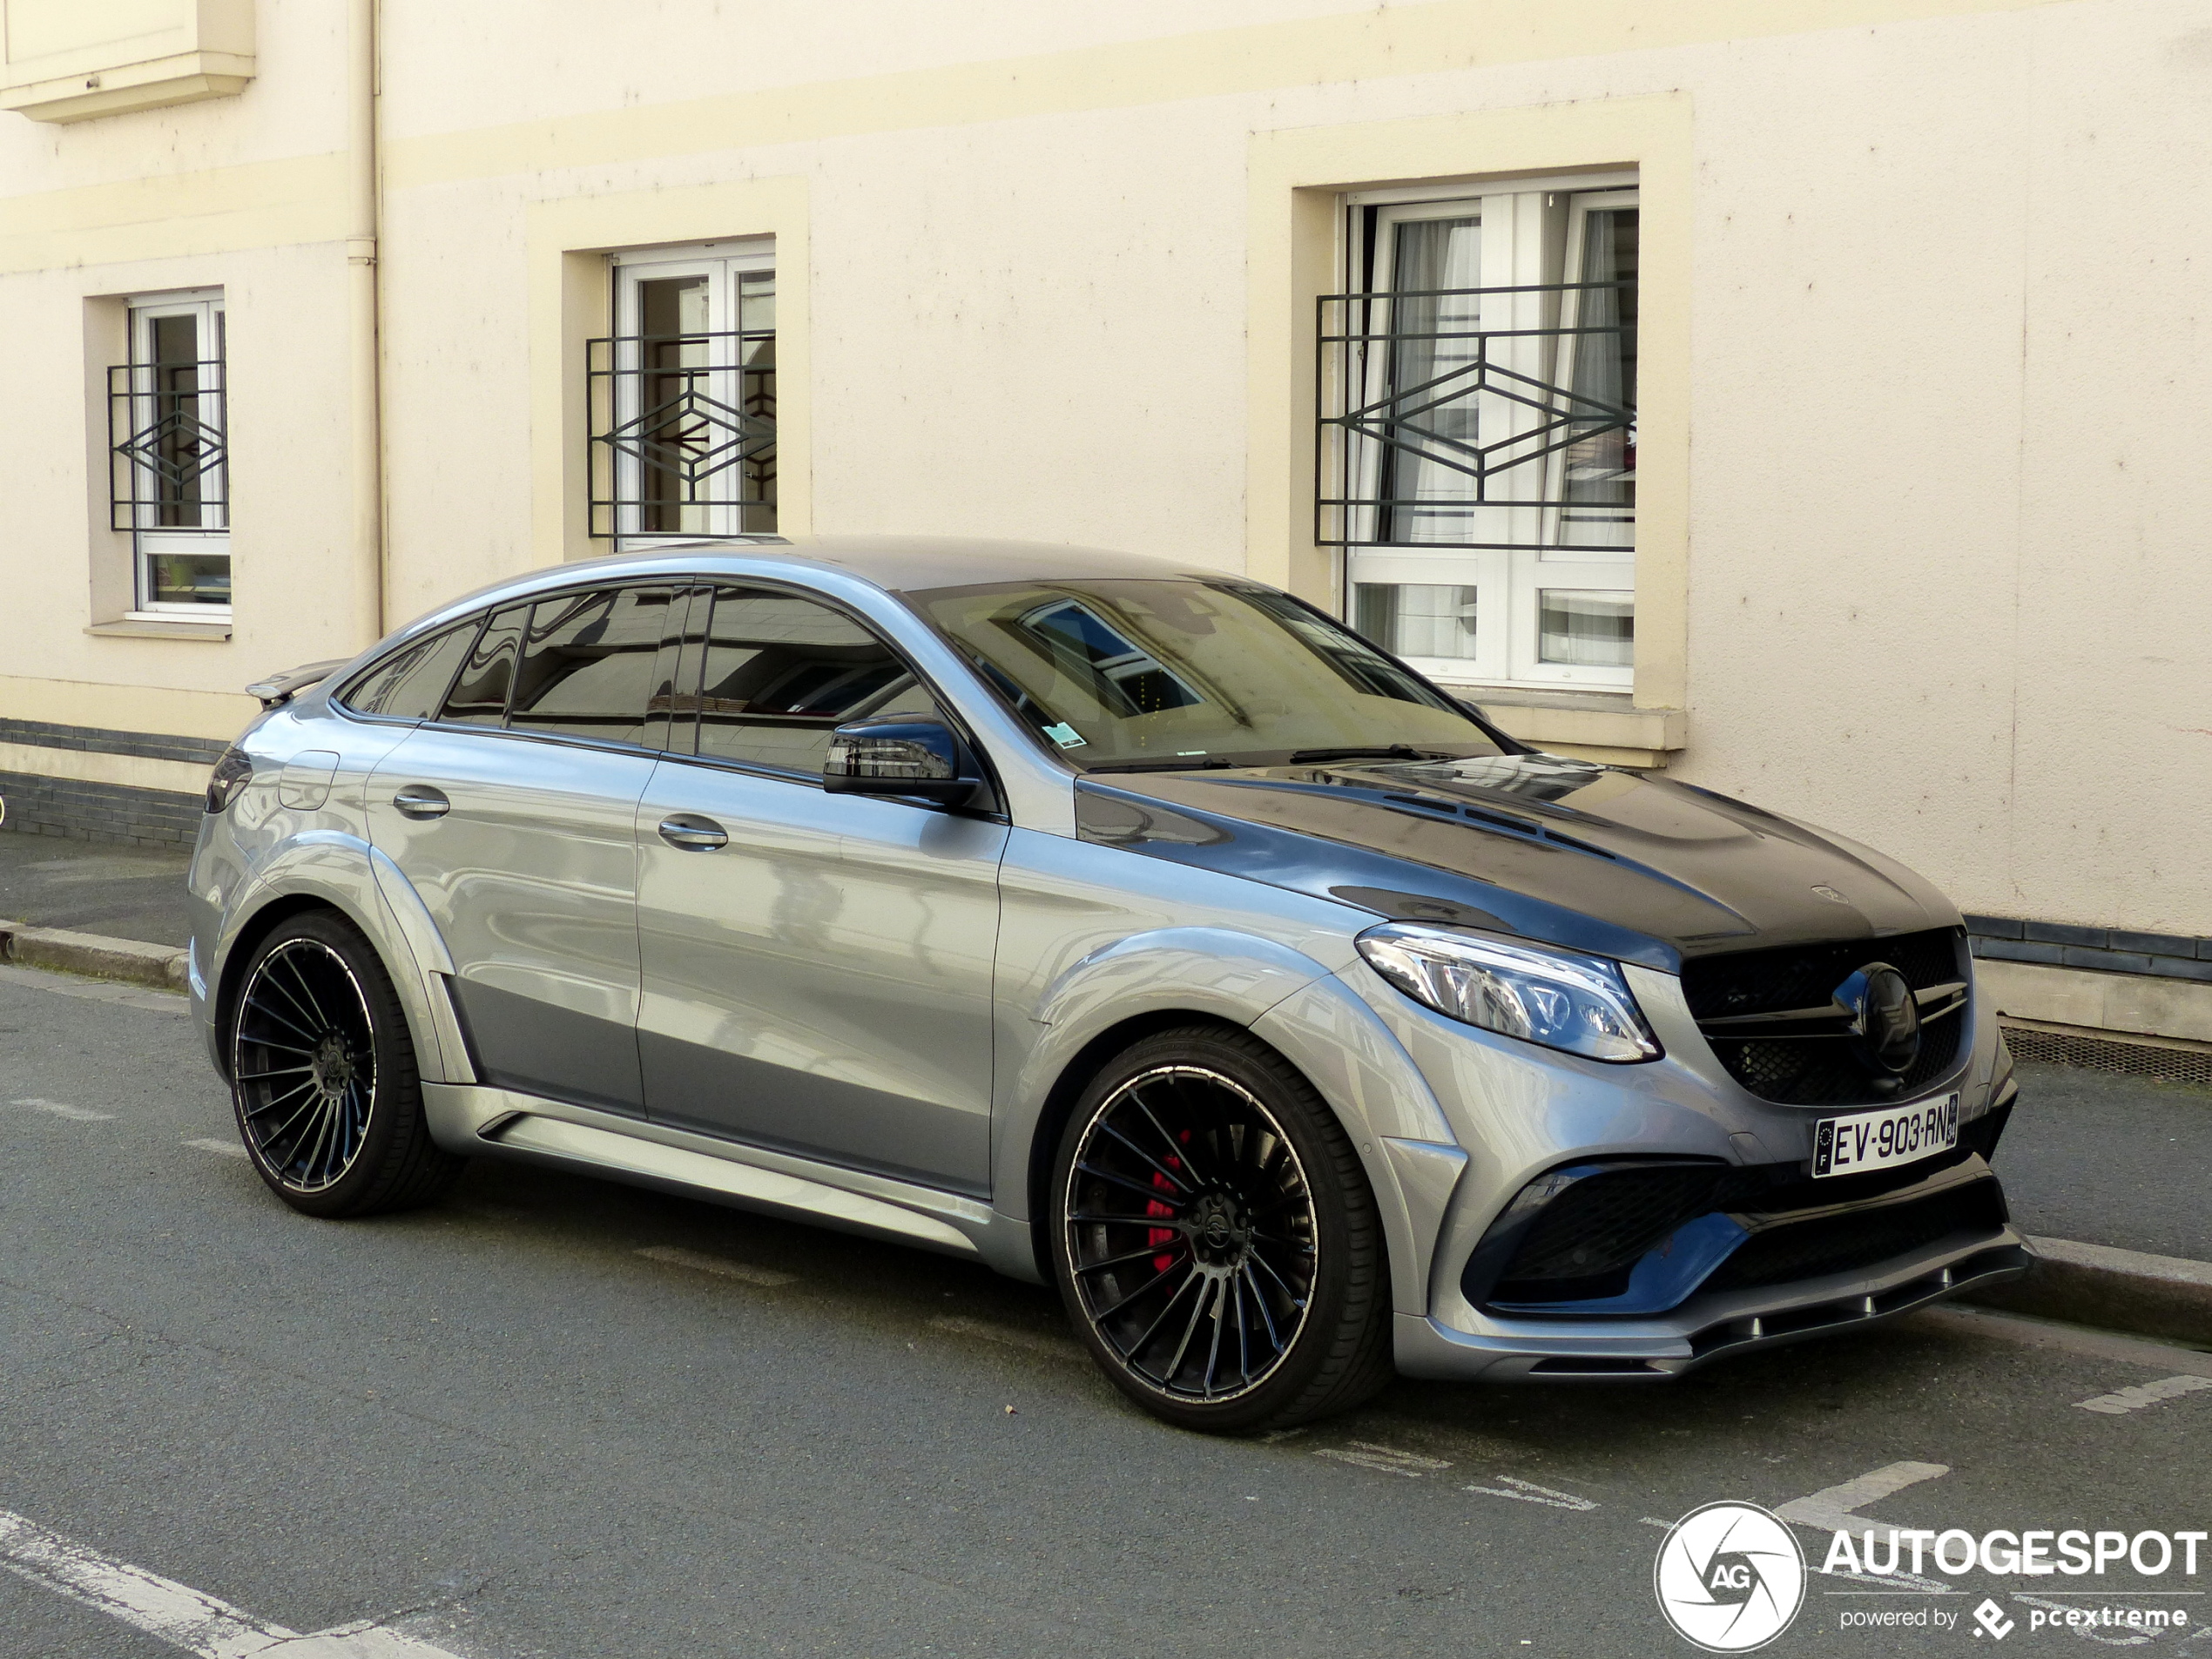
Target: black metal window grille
{"points": [[683, 433], [1442, 410], [166, 446]]}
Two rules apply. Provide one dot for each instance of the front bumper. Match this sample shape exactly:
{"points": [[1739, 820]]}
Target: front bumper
{"points": [[1708, 1325]]}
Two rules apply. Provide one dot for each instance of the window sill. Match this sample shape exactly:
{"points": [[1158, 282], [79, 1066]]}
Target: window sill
{"points": [[1589, 725], [137, 628]]}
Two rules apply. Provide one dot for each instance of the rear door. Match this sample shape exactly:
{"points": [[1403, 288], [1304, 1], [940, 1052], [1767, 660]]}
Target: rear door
{"points": [[513, 814], [817, 968]]}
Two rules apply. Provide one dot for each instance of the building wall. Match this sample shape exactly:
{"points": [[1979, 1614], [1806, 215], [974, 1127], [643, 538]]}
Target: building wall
{"points": [[1933, 561]]}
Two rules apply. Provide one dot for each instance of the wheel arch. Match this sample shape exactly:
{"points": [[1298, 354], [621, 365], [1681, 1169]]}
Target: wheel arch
{"points": [[338, 872]]}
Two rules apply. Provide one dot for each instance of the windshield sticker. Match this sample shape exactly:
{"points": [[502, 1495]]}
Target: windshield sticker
{"points": [[1065, 735]]}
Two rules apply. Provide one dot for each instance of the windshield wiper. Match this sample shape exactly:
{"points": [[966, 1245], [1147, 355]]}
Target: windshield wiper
{"points": [[1173, 764], [1393, 751]]}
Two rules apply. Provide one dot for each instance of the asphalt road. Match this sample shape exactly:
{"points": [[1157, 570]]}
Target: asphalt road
{"points": [[502, 1426]]}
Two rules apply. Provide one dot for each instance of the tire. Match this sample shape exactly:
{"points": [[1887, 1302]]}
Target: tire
{"points": [[1215, 1238], [324, 1083]]}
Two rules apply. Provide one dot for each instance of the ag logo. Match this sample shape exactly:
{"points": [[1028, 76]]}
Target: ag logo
{"points": [[1729, 1577]]}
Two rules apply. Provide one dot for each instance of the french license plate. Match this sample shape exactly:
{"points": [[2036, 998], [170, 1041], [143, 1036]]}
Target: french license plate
{"points": [[1882, 1140]]}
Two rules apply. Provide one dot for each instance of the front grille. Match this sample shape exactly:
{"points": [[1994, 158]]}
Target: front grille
{"points": [[1859, 1239], [1822, 1071]]}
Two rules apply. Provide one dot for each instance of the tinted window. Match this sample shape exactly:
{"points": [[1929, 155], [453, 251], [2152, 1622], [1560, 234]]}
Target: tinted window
{"points": [[588, 664], [411, 683], [479, 696], [782, 672]]}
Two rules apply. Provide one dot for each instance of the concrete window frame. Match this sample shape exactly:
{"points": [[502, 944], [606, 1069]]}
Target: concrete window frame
{"points": [[569, 241], [1297, 182]]}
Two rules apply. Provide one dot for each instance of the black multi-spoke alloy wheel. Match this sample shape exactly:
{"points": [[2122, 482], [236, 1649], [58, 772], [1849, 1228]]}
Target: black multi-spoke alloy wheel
{"points": [[1215, 1238], [323, 1076]]}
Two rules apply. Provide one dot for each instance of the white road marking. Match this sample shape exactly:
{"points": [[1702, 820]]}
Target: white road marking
{"points": [[1831, 1508], [1654, 1520], [2134, 1399], [1529, 1492], [1387, 1460], [63, 1108], [176, 1612], [766, 1278], [96, 991], [1027, 1341], [221, 1149]]}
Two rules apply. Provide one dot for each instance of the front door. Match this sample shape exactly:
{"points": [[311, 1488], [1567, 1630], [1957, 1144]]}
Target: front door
{"points": [[513, 814], [817, 968]]}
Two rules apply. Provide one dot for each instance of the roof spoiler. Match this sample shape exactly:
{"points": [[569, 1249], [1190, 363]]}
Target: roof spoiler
{"points": [[282, 688]]}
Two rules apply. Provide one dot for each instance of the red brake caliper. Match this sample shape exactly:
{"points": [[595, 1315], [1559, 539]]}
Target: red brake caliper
{"points": [[1156, 1237]]}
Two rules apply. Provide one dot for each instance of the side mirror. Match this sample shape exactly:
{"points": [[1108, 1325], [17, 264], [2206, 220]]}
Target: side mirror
{"points": [[899, 756]]}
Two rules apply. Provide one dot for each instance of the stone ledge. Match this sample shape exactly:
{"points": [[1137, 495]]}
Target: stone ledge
{"points": [[1588, 726], [2137, 1004]]}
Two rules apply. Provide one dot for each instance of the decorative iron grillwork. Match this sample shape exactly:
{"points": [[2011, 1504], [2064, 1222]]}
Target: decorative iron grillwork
{"points": [[166, 446], [683, 436], [1476, 418]]}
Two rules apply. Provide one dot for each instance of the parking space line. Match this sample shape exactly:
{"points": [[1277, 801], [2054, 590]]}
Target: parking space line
{"points": [[63, 1108], [177, 1614], [2135, 1398], [1831, 1508], [1384, 1459], [699, 1261], [221, 1149], [1529, 1492]]}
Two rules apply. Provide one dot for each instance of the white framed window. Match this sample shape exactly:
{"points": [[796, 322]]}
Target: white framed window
{"points": [[684, 395], [1479, 398], [170, 469]]}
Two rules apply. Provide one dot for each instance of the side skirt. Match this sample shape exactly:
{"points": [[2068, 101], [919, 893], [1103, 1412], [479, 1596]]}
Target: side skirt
{"points": [[479, 1120]]}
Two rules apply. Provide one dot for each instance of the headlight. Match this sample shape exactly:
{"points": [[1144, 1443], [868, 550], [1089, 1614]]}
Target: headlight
{"points": [[233, 772], [1578, 1003]]}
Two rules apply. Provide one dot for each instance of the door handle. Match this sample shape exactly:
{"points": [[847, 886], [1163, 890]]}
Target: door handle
{"points": [[693, 833], [420, 800]]}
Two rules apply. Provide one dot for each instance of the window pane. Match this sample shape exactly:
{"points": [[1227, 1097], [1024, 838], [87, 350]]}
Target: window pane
{"points": [[479, 698], [182, 439], [673, 316], [1600, 478], [781, 673], [409, 684], [757, 396], [1586, 629], [587, 668], [188, 579], [1440, 419], [1417, 619]]}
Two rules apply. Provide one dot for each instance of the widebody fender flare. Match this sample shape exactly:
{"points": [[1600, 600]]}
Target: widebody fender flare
{"points": [[363, 885], [1287, 999]]}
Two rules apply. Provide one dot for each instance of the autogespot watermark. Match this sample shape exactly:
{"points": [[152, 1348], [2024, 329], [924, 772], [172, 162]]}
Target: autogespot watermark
{"points": [[1730, 1577]]}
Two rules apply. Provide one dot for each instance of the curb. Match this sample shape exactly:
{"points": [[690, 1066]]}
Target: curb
{"points": [[160, 966], [2118, 1290]]}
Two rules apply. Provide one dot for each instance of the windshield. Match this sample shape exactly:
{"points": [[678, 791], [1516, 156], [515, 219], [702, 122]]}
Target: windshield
{"points": [[1185, 673]]}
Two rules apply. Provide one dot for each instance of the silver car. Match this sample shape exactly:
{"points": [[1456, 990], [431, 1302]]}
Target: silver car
{"points": [[1125, 925]]}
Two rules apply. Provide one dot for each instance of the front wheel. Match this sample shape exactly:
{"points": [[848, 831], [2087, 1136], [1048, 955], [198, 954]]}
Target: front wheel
{"points": [[323, 1078], [1216, 1240]]}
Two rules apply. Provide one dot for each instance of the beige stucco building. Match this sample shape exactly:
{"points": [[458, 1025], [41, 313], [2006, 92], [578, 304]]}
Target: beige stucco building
{"points": [[1806, 396]]}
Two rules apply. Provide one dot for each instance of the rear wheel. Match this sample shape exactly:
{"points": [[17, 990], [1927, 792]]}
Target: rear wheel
{"points": [[323, 1076], [1216, 1240]]}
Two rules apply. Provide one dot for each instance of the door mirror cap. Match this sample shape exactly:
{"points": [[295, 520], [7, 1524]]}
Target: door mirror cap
{"points": [[915, 758]]}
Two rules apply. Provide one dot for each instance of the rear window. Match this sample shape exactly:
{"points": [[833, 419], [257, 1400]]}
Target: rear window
{"points": [[411, 683]]}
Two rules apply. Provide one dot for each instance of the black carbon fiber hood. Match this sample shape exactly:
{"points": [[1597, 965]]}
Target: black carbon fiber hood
{"points": [[1590, 856]]}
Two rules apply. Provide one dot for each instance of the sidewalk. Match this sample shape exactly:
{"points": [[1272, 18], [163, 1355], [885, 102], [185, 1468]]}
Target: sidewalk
{"points": [[2094, 1157]]}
